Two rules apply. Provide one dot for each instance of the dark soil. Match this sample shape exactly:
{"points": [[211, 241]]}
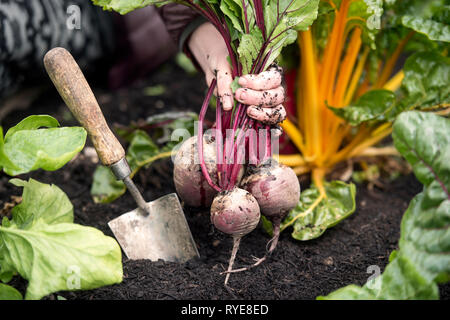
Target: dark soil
{"points": [[297, 270]]}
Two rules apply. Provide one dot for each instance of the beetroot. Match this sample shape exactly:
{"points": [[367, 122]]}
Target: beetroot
{"points": [[190, 183], [277, 190], [236, 213]]}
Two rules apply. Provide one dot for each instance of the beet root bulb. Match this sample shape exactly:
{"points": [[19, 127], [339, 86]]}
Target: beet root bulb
{"points": [[235, 212], [275, 187], [191, 185], [277, 190]]}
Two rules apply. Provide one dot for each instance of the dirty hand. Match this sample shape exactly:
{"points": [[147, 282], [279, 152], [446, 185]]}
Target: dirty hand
{"points": [[262, 92]]}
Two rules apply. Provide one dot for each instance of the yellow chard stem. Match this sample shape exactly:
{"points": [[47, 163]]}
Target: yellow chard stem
{"points": [[291, 160], [356, 77], [395, 82], [294, 134], [310, 99]]}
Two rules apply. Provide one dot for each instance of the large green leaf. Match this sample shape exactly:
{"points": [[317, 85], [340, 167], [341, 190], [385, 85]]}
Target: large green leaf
{"points": [[424, 140], [369, 106], [9, 293], [427, 78], [52, 253], [430, 17], [399, 281], [422, 259], [41, 201], [27, 148], [338, 205], [435, 30]]}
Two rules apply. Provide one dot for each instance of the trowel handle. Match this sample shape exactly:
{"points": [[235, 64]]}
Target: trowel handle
{"points": [[76, 93]]}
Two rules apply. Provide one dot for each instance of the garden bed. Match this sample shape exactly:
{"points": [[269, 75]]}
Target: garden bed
{"points": [[297, 270]]}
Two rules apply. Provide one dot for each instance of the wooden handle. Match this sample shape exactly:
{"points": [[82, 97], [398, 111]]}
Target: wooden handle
{"points": [[76, 93]]}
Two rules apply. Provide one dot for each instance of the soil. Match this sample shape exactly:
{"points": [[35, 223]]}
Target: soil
{"points": [[297, 270]]}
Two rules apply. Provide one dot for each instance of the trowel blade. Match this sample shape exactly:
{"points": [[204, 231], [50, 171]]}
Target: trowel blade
{"points": [[163, 234]]}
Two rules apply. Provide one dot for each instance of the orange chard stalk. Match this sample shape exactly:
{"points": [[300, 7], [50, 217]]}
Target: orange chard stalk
{"points": [[337, 78]]}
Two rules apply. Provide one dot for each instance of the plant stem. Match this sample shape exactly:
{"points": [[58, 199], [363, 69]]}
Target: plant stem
{"points": [[201, 119]]}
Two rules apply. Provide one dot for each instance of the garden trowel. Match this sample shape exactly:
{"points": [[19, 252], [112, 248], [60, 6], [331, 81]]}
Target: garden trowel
{"points": [[155, 230]]}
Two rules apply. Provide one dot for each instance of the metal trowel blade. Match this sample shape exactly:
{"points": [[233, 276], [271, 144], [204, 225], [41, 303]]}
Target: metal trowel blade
{"points": [[163, 234]]}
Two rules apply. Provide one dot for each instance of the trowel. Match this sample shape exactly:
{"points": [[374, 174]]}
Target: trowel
{"points": [[156, 229]]}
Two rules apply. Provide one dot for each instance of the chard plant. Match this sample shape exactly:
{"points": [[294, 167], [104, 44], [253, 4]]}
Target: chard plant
{"points": [[38, 239], [351, 82], [421, 261]]}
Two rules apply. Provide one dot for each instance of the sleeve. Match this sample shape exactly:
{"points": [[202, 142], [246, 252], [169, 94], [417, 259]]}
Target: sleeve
{"points": [[178, 18]]}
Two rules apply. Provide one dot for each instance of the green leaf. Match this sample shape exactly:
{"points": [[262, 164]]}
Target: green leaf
{"points": [[9, 293], [427, 75], [267, 225], [422, 260], [105, 187], [234, 12], [4, 160], [369, 106], [185, 63], [435, 30], [399, 281], [41, 201], [125, 6], [338, 205], [33, 122], [155, 90], [424, 139], [249, 48], [62, 256], [235, 84], [52, 253], [27, 148], [430, 17]]}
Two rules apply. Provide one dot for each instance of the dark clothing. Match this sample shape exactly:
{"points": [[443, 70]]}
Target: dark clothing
{"points": [[134, 43]]}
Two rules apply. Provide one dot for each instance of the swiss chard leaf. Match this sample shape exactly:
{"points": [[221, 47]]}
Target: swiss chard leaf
{"points": [[338, 205], [427, 75], [26, 147], [422, 259], [430, 18], [369, 106], [50, 251]]}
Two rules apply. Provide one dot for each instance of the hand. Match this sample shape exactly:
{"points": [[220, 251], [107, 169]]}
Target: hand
{"points": [[262, 92]]}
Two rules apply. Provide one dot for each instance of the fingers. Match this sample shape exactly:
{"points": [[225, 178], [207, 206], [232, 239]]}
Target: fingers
{"points": [[265, 98], [224, 92], [267, 115], [266, 80]]}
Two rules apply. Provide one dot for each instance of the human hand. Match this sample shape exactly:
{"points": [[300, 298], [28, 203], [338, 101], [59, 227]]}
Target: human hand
{"points": [[262, 92]]}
